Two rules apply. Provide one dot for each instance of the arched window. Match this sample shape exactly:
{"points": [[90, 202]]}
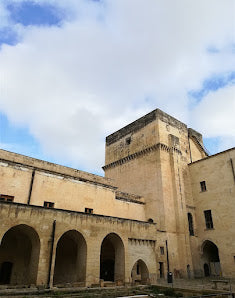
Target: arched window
{"points": [[190, 224]]}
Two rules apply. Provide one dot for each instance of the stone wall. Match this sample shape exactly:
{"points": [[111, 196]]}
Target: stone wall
{"points": [[219, 197], [69, 192], [139, 239]]}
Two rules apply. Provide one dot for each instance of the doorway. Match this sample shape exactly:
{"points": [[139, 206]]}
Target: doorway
{"points": [[5, 273]]}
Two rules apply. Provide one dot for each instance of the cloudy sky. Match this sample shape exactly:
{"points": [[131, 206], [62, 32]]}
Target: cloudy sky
{"points": [[74, 71]]}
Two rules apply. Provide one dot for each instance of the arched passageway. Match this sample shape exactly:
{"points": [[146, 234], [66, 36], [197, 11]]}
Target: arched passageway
{"points": [[112, 259], [19, 255], [211, 260], [140, 273], [70, 262]]}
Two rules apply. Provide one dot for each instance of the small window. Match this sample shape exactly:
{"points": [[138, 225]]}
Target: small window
{"points": [[162, 250], [150, 220], [234, 259], [203, 185], [190, 224], [6, 198], [208, 219], [89, 210], [49, 204], [128, 141]]}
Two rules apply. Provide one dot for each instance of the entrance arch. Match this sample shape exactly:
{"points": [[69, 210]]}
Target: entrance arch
{"points": [[70, 261], [19, 256], [112, 259], [211, 260], [140, 273]]}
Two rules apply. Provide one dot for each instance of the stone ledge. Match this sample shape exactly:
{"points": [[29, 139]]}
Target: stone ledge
{"points": [[158, 146]]}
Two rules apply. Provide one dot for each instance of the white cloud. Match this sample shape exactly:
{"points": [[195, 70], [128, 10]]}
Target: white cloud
{"points": [[74, 84], [214, 115]]}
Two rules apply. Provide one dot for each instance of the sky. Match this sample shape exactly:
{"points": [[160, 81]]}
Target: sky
{"points": [[74, 71]]}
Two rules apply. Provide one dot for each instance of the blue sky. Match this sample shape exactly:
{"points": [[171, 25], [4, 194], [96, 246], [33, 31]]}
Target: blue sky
{"points": [[29, 13], [82, 70]]}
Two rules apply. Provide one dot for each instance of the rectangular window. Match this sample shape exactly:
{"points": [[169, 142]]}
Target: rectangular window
{"points": [[89, 210], [162, 250], [203, 185], [128, 141], [49, 204], [208, 219], [6, 198]]}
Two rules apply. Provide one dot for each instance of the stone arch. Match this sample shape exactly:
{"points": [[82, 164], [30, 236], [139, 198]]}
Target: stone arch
{"points": [[70, 260], [19, 256], [140, 272], [112, 259], [210, 259]]}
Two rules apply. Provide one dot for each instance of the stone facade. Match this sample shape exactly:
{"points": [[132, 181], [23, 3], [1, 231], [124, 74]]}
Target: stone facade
{"points": [[163, 205]]}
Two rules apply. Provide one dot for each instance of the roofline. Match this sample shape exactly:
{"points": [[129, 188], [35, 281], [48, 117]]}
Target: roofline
{"points": [[89, 177], [222, 152]]}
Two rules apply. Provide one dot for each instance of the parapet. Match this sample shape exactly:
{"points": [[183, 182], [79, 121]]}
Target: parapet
{"points": [[142, 122], [41, 165]]}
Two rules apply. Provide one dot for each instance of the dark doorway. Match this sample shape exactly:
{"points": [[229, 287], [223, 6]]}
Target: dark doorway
{"points": [[70, 261], [206, 270], [107, 260], [5, 273], [161, 269], [112, 259], [107, 270], [19, 254], [188, 271], [210, 259]]}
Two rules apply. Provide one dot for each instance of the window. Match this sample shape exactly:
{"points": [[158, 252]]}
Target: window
{"points": [[203, 185], [6, 198], [128, 141], [49, 204], [150, 220], [162, 250], [208, 219], [190, 224], [89, 210]]}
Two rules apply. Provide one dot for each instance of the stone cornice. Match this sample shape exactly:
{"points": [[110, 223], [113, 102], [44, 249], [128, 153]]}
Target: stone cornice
{"points": [[129, 200], [52, 172], [158, 146]]}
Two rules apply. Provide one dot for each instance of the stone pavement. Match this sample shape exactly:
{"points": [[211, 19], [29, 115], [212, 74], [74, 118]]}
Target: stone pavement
{"points": [[200, 284]]}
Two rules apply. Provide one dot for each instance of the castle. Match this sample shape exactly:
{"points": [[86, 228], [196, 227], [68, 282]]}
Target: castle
{"points": [[163, 206]]}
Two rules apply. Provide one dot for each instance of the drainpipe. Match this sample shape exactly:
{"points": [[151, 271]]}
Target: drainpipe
{"points": [[31, 187], [51, 252], [167, 257], [231, 161]]}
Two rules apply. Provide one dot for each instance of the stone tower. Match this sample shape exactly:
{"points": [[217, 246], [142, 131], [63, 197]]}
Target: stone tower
{"points": [[150, 157]]}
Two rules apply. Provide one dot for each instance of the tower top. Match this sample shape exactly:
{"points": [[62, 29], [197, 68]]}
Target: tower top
{"points": [[142, 122]]}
